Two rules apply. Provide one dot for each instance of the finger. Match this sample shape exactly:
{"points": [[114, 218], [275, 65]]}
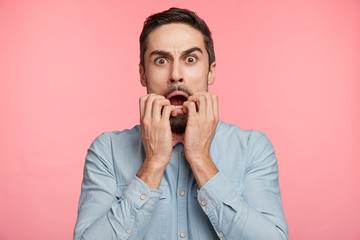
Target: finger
{"points": [[185, 104], [174, 113], [215, 106], [190, 108], [200, 101], [142, 102], [157, 107], [167, 110], [148, 105], [209, 104]]}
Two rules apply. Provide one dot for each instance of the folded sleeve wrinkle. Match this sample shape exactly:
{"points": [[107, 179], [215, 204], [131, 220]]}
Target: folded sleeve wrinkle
{"points": [[255, 213], [101, 215], [241, 201]]}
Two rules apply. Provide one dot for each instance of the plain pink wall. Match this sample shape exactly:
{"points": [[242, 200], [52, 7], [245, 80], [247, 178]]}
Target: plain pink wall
{"points": [[68, 72]]}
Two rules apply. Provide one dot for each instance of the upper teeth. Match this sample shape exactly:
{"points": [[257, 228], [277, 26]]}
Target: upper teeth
{"points": [[179, 106]]}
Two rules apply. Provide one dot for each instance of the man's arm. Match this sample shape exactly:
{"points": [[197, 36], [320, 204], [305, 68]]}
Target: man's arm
{"points": [[156, 136], [255, 214], [203, 118], [101, 215]]}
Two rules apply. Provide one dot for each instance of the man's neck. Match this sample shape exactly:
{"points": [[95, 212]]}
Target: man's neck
{"points": [[177, 138]]}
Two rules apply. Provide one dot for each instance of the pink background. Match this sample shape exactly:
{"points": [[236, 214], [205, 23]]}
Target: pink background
{"points": [[69, 71]]}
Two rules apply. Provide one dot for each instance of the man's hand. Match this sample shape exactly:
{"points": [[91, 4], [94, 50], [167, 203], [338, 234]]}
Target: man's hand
{"points": [[203, 117], [156, 137]]}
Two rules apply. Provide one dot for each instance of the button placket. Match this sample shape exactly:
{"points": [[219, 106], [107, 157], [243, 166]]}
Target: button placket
{"points": [[182, 185]]}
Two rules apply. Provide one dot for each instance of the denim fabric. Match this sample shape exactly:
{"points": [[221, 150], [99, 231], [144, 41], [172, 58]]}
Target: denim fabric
{"points": [[242, 201]]}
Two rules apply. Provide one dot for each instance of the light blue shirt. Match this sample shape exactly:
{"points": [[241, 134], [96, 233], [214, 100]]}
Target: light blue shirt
{"points": [[242, 201]]}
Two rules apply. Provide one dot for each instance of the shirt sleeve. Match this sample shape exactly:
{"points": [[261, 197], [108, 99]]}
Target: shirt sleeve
{"points": [[102, 215], [255, 213]]}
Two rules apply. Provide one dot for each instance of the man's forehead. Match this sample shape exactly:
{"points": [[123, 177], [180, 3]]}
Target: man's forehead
{"points": [[174, 37]]}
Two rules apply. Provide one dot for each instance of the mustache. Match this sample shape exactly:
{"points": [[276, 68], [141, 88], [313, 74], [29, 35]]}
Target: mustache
{"points": [[177, 88]]}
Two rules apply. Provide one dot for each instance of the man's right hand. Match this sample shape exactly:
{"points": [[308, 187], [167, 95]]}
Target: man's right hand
{"points": [[156, 136]]}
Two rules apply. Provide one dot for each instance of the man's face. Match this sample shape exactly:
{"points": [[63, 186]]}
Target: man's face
{"points": [[176, 66]]}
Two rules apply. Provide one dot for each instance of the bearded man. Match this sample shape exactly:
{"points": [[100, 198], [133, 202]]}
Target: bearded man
{"points": [[181, 174]]}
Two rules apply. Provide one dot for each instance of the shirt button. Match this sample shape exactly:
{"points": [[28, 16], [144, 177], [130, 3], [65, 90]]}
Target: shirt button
{"points": [[221, 235], [182, 193], [128, 231], [203, 203], [182, 235], [142, 196]]}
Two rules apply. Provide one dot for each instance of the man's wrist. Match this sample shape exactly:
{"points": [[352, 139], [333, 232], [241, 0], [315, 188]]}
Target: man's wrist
{"points": [[204, 169], [197, 158], [151, 173]]}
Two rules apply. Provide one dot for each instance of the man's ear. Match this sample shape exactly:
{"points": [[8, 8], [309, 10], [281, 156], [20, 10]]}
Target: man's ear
{"points": [[212, 73], [142, 75]]}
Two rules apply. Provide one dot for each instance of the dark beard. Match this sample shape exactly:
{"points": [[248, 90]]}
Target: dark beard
{"points": [[178, 123]]}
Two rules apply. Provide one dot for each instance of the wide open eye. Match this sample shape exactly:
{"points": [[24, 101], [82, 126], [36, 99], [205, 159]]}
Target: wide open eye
{"points": [[160, 61], [190, 59]]}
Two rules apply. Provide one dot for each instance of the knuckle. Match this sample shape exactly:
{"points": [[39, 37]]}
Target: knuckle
{"points": [[142, 99], [145, 122], [166, 108], [156, 101], [150, 97], [205, 94]]}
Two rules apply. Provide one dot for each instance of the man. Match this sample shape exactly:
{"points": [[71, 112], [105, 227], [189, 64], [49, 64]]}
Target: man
{"points": [[182, 174]]}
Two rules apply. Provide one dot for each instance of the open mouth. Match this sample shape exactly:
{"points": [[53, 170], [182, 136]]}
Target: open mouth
{"points": [[177, 98]]}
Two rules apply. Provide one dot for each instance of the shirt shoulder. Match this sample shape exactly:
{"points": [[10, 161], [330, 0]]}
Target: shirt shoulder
{"points": [[253, 147], [107, 142], [119, 151], [126, 133], [226, 131], [109, 138]]}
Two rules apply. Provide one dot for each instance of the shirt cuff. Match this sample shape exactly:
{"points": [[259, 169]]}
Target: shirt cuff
{"points": [[214, 191], [138, 194]]}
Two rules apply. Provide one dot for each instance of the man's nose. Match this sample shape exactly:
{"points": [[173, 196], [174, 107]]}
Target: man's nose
{"points": [[176, 74]]}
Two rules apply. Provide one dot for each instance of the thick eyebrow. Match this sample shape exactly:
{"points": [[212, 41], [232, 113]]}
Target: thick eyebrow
{"points": [[159, 52], [193, 49], [164, 53]]}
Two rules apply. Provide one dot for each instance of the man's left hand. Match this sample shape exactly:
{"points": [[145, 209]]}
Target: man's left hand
{"points": [[203, 117]]}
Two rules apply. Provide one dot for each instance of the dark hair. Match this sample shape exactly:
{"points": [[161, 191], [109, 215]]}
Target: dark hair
{"points": [[176, 15]]}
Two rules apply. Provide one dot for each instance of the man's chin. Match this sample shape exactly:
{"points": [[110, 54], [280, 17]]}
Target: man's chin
{"points": [[178, 123]]}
